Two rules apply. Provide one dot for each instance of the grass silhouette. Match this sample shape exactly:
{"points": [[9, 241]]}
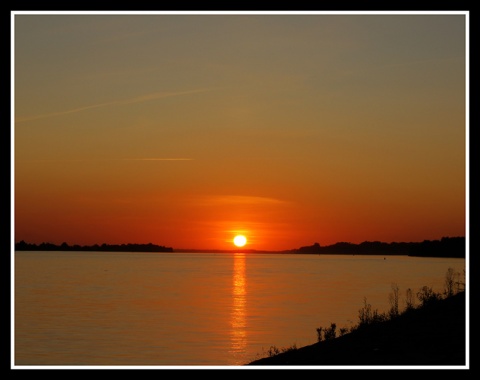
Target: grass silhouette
{"points": [[430, 333]]}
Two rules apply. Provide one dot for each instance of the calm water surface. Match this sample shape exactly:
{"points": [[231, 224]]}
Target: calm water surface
{"points": [[196, 309]]}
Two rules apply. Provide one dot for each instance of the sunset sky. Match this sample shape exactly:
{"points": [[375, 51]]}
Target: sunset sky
{"points": [[184, 130]]}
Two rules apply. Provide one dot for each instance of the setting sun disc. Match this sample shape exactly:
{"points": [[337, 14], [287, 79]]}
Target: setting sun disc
{"points": [[239, 240]]}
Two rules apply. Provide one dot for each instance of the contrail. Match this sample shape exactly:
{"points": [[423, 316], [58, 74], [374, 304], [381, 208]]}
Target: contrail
{"points": [[139, 99], [109, 159], [155, 159]]}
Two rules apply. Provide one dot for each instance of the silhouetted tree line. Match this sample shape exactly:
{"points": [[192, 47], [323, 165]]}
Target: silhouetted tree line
{"points": [[446, 247], [22, 246]]}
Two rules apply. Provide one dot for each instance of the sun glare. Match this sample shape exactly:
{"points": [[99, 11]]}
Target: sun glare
{"points": [[239, 240]]}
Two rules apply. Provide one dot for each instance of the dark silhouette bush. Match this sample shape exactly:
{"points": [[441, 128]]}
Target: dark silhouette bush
{"points": [[431, 333]]}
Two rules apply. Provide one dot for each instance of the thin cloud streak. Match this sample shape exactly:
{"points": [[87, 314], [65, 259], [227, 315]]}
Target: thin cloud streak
{"points": [[156, 159], [139, 99], [111, 159], [238, 200]]}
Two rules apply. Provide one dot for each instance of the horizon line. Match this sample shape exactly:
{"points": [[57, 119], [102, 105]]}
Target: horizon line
{"points": [[250, 249]]}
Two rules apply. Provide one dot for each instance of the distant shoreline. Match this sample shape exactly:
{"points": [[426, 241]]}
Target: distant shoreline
{"points": [[448, 247], [452, 247], [22, 246]]}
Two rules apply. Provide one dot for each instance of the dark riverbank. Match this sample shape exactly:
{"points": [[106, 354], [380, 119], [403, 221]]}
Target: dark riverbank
{"points": [[64, 247], [445, 247], [434, 335]]}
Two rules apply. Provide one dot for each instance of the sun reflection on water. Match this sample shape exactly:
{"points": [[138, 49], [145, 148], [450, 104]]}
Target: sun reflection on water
{"points": [[239, 300]]}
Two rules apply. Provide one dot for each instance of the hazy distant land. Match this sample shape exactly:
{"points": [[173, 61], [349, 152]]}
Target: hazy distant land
{"points": [[453, 247]]}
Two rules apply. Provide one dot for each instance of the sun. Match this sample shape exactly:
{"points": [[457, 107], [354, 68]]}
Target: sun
{"points": [[239, 240]]}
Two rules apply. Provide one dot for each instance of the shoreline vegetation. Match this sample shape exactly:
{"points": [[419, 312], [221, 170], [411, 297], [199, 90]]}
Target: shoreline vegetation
{"points": [[451, 247], [431, 333], [22, 246]]}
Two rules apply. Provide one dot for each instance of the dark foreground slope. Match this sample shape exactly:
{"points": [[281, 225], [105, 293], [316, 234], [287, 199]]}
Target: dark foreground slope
{"points": [[432, 335]]}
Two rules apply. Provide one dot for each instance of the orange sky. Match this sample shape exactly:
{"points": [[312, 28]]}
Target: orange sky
{"points": [[183, 130]]}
